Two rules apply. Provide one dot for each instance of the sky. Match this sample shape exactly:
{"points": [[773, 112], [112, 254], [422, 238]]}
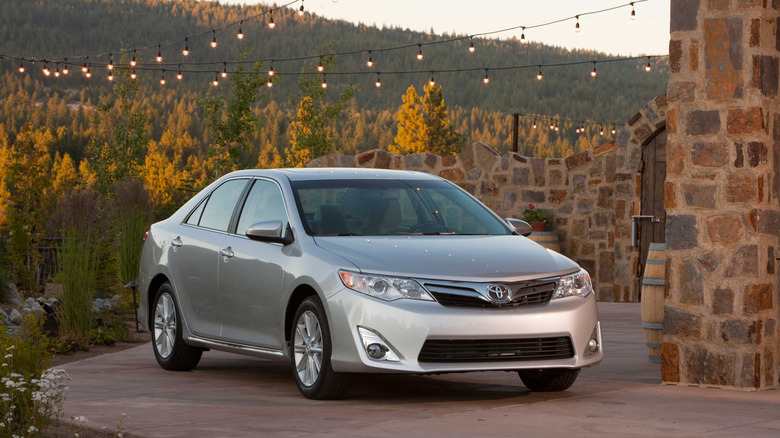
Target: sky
{"points": [[611, 32]]}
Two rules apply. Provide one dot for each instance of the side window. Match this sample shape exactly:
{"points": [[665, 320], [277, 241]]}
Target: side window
{"points": [[195, 216], [219, 207], [263, 204]]}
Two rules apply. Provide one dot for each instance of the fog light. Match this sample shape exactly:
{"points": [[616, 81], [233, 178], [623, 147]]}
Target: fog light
{"points": [[375, 351], [376, 347], [594, 345]]}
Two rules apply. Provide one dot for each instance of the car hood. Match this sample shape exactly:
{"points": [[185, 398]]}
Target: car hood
{"points": [[462, 258]]}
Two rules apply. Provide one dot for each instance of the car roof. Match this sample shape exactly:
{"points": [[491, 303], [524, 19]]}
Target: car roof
{"points": [[326, 173]]}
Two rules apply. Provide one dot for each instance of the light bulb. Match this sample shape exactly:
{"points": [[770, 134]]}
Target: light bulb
{"points": [[419, 52], [486, 79], [522, 36], [57, 71], [21, 67], [552, 126], [84, 68], [432, 82], [601, 130], [110, 65], [324, 83], [370, 61], [270, 83], [471, 47], [378, 82], [240, 34], [647, 67], [133, 75], [65, 70], [539, 75], [110, 76], [179, 76], [534, 125], [88, 73], [186, 50], [320, 67], [271, 24], [271, 71], [577, 130], [215, 82], [613, 131], [577, 26], [159, 54], [633, 11], [162, 78], [132, 61], [300, 10], [556, 127], [224, 70], [46, 70], [593, 72], [213, 39]]}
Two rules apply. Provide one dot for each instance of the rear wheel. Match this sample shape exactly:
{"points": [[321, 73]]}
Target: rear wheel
{"points": [[169, 348], [548, 380], [310, 350]]}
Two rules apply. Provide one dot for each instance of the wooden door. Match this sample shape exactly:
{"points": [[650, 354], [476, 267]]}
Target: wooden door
{"points": [[652, 196]]}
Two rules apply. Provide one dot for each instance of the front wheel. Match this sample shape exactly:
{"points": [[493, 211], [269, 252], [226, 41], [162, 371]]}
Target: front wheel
{"points": [[169, 347], [548, 380], [310, 350]]}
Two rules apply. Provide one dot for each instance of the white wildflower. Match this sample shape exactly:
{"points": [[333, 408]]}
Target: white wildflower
{"points": [[8, 356], [5, 364], [10, 348], [79, 420], [32, 429]]}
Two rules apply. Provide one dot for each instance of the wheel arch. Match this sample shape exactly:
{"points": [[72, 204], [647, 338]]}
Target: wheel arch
{"points": [[300, 293], [155, 284]]}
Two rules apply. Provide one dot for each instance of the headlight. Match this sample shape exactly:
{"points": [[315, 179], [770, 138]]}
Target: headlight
{"points": [[574, 285], [385, 288]]}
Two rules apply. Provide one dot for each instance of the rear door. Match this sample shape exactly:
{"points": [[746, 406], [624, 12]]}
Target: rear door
{"points": [[195, 257]]}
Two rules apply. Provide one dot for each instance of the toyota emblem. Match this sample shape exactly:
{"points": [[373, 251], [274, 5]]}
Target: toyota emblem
{"points": [[499, 293]]}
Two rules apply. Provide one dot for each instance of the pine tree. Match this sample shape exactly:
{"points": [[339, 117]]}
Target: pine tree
{"points": [[439, 136], [410, 138]]}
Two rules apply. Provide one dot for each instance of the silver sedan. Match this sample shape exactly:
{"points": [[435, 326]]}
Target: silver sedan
{"points": [[343, 271]]}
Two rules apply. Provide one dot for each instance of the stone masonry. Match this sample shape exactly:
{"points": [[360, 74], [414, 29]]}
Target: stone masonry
{"points": [[721, 314]]}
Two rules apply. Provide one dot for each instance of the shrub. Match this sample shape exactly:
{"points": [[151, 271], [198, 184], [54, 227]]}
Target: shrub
{"points": [[31, 396]]}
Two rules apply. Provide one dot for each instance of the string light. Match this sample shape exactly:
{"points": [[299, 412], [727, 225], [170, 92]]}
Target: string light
{"points": [[57, 71], [324, 82], [88, 73], [647, 67], [613, 130], [556, 126], [271, 24], [179, 76], [534, 125], [378, 82], [432, 82], [132, 61], [186, 50], [224, 70], [370, 62], [215, 82], [552, 125], [577, 26], [419, 52], [21, 67], [593, 72], [110, 76], [162, 78], [601, 130], [65, 70], [84, 68], [133, 75], [159, 54], [522, 36], [46, 70], [633, 11], [320, 67], [240, 34], [213, 39], [539, 75], [110, 65], [486, 79], [471, 46], [271, 70], [270, 83], [300, 10]]}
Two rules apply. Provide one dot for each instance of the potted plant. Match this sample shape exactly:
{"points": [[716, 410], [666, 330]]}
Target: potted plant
{"points": [[536, 218]]}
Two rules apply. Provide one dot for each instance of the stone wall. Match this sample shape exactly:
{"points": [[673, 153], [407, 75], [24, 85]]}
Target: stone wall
{"points": [[591, 195], [722, 188]]}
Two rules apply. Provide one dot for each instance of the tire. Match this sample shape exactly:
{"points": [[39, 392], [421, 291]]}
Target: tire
{"points": [[548, 380], [169, 348], [310, 350]]}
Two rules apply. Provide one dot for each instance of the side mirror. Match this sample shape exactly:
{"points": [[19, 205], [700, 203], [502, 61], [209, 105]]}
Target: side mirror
{"points": [[522, 227], [270, 231]]}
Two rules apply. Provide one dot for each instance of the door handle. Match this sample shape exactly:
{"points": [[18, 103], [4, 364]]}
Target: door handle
{"points": [[226, 252], [176, 242]]}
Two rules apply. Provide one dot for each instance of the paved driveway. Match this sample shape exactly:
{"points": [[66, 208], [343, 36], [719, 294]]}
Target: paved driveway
{"points": [[235, 396]]}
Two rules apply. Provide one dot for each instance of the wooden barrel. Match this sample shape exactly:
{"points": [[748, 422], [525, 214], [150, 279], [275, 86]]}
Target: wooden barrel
{"points": [[548, 239], [653, 300]]}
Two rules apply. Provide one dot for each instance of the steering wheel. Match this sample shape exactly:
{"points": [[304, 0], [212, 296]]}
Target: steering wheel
{"points": [[428, 227]]}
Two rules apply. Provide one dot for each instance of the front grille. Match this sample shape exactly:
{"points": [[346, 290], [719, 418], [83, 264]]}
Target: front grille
{"points": [[524, 294], [486, 350]]}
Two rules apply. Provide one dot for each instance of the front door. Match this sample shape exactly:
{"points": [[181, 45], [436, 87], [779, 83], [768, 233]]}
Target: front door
{"points": [[652, 196]]}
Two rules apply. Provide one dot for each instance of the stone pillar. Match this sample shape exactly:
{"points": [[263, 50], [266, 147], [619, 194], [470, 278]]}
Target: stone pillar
{"points": [[723, 155]]}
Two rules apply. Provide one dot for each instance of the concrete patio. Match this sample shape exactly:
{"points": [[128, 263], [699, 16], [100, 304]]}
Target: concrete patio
{"points": [[235, 396]]}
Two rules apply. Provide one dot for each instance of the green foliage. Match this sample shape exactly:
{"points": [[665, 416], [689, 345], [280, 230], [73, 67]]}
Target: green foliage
{"points": [[119, 149], [111, 327], [532, 214], [32, 396], [313, 131], [132, 221], [230, 117]]}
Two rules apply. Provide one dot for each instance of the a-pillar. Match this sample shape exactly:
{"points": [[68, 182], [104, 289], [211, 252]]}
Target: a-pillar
{"points": [[723, 155]]}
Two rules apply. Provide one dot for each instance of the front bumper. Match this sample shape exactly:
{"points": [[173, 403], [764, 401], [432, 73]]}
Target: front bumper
{"points": [[407, 324]]}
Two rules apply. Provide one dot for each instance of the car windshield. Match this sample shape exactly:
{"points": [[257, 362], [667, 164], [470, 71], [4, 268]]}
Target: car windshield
{"points": [[355, 207]]}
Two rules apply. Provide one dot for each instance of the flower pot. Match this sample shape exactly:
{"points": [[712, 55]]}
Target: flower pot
{"points": [[539, 226]]}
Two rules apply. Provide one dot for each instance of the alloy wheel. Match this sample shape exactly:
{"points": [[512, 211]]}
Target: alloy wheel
{"points": [[308, 348], [165, 325]]}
